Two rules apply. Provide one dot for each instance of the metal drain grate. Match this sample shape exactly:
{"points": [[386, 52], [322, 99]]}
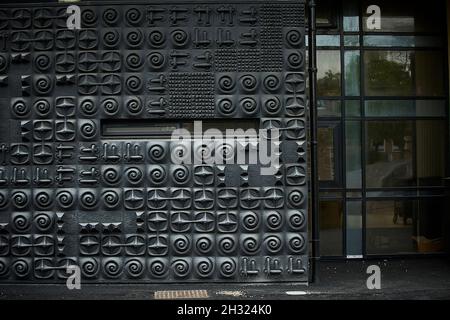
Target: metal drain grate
{"points": [[181, 294]]}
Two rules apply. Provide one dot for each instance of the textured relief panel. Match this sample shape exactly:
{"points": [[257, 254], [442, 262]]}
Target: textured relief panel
{"points": [[81, 185]]}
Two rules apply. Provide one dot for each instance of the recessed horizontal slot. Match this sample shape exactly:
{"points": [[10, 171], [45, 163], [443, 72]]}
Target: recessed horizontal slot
{"points": [[157, 129]]}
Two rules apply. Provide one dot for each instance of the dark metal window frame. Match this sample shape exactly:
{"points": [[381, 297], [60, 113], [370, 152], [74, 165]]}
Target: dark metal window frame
{"points": [[363, 119]]}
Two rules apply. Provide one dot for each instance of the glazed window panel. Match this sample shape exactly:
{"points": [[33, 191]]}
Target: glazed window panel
{"points": [[353, 154], [351, 41], [329, 154], [354, 228], [429, 73], [352, 108], [405, 153], [352, 78], [405, 226], [402, 41], [326, 152], [329, 108], [405, 108], [328, 73], [350, 15], [331, 227], [388, 73], [403, 73]]}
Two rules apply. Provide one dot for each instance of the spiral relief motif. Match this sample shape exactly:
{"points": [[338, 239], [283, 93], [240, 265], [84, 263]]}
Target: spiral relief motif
{"points": [[21, 268], [250, 221], [273, 220], [248, 105], [204, 267], [21, 222], [250, 245], [43, 200], [134, 175], [294, 38], [226, 107], [134, 106], [273, 244], [42, 62], [110, 16], [110, 106], [179, 38], [134, 84], [227, 245], [226, 83], [19, 199], [157, 175], [64, 199], [272, 106], [156, 38], [20, 109], [111, 199], [248, 83], [134, 38], [88, 17], [134, 62], [181, 268], [111, 176], [42, 107], [296, 243], [181, 245], [226, 151], [156, 60], [204, 152], [295, 60], [43, 222], [295, 198], [88, 200], [133, 16], [272, 83], [42, 85], [111, 38], [296, 220], [134, 268], [180, 153], [203, 245], [90, 268], [180, 175], [88, 130], [228, 268], [158, 268], [156, 152], [75, 191], [112, 268], [88, 107]]}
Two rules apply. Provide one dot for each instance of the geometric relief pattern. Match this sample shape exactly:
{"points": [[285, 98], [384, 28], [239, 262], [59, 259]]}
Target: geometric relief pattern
{"points": [[119, 208]]}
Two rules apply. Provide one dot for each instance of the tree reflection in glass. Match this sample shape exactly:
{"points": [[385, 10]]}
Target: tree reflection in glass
{"points": [[328, 73]]}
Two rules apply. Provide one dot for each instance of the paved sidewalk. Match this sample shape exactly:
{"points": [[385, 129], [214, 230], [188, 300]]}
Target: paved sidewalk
{"points": [[400, 279]]}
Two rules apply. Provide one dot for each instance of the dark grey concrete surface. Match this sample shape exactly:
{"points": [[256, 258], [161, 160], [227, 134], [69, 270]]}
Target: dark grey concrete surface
{"points": [[425, 278]]}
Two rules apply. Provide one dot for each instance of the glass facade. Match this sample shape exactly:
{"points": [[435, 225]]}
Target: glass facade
{"points": [[383, 128]]}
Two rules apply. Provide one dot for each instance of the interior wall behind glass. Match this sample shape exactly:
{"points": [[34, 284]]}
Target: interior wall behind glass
{"points": [[405, 153], [331, 227], [405, 226]]}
